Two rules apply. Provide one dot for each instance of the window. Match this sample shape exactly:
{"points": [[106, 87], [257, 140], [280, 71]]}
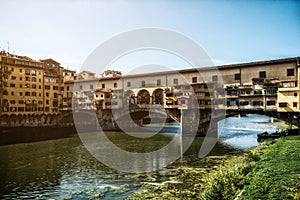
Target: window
{"points": [[47, 94], [175, 81], [80, 87], [21, 94], [12, 69], [40, 80], [143, 83], [20, 70], [262, 74], [115, 85], [232, 102], [103, 85], [55, 103], [237, 76], [33, 94], [12, 102], [209, 94], [27, 85], [33, 73], [12, 85], [232, 92], [55, 87], [27, 71], [68, 88], [294, 104], [20, 78], [245, 92], [40, 102], [47, 87], [128, 84], [91, 86], [257, 103], [55, 95], [27, 93], [199, 94], [13, 78], [257, 92], [282, 105], [27, 78], [158, 82], [194, 79], [244, 103], [47, 101], [271, 92], [12, 94], [290, 72], [32, 64], [21, 102], [33, 79], [215, 78], [295, 94], [33, 86]]}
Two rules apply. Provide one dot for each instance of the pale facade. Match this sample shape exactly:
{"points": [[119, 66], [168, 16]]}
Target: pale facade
{"points": [[266, 85]]}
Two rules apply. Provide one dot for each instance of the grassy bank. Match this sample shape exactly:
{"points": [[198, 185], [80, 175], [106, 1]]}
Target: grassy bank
{"points": [[269, 171], [277, 174]]}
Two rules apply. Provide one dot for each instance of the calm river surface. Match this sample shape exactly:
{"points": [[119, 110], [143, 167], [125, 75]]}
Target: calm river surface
{"points": [[64, 169]]}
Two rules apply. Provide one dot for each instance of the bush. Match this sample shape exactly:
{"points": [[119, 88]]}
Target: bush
{"points": [[227, 181]]}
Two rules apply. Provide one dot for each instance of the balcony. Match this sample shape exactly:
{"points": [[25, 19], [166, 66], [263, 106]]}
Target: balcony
{"points": [[250, 87], [288, 89]]}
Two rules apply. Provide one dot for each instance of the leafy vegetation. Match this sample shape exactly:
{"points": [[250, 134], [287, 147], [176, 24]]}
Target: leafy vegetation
{"points": [[277, 175], [269, 171]]}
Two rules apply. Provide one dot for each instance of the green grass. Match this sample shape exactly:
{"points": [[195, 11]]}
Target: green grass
{"points": [[228, 180], [277, 174], [269, 171]]}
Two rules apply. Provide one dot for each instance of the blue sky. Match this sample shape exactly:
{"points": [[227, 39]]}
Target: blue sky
{"points": [[229, 31]]}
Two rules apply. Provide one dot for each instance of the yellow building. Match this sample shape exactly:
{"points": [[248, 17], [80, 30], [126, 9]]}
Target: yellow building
{"points": [[30, 87], [21, 85]]}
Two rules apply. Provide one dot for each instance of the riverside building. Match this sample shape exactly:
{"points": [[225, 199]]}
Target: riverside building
{"points": [[30, 87]]}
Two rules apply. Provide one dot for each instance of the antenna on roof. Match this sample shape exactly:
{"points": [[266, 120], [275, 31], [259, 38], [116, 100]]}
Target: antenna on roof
{"points": [[7, 45]]}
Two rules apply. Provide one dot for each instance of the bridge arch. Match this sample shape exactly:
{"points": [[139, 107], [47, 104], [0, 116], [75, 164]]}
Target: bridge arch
{"points": [[143, 97], [129, 97], [158, 96]]}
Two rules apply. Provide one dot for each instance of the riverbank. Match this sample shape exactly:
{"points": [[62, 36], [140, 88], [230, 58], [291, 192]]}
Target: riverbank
{"points": [[15, 135], [269, 171]]}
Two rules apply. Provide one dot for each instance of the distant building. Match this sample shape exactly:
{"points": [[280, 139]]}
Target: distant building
{"points": [[271, 85], [30, 87], [111, 73]]}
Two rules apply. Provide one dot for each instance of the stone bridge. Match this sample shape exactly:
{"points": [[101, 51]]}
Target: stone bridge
{"points": [[194, 120]]}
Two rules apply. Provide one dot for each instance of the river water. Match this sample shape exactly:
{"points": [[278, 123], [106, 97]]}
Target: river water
{"points": [[64, 169]]}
